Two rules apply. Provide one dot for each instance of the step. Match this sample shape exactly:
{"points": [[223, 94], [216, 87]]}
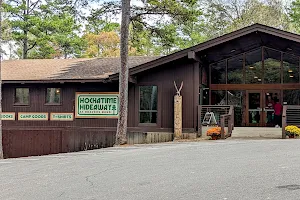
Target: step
{"points": [[256, 132]]}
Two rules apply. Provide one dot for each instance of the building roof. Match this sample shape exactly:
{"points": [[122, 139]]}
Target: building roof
{"points": [[102, 68], [65, 69], [255, 28]]}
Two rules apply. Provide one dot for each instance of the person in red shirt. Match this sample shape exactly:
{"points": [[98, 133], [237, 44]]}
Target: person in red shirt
{"points": [[277, 113]]}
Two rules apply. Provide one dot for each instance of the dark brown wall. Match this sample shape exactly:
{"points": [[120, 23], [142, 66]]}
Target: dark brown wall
{"points": [[37, 104], [164, 76], [25, 138]]}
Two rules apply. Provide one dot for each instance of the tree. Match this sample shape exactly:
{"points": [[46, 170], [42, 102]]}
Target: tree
{"points": [[295, 14], [1, 134], [123, 75], [44, 28], [224, 16]]}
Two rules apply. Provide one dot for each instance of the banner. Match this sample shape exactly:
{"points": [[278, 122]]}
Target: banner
{"points": [[97, 105]]}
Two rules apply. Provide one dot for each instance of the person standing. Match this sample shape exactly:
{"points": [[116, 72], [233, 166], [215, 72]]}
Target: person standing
{"points": [[277, 113]]}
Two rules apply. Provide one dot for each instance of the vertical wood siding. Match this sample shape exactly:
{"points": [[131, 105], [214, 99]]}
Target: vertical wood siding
{"points": [[27, 138]]}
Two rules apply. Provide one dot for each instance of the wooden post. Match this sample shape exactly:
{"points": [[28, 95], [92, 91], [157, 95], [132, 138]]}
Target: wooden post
{"points": [[222, 127], [177, 117], [178, 113]]}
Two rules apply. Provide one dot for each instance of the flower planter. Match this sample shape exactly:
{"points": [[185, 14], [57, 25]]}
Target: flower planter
{"points": [[215, 136]]}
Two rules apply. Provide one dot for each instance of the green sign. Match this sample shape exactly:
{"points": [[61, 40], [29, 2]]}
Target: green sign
{"points": [[97, 105], [61, 116], [32, 116], [8, 116]]}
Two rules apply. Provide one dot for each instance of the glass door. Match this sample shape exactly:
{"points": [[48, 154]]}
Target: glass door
{"points": [[254, 113], [270, 97]]}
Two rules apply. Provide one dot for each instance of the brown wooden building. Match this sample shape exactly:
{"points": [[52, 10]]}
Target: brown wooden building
{"points": [[245, 68]]}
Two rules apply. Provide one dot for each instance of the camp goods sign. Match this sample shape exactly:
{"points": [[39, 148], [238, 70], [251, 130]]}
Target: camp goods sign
{"points": [[97, 105]]}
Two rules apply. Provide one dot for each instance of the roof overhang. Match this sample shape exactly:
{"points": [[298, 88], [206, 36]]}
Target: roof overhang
{"points": [[211, 43]]}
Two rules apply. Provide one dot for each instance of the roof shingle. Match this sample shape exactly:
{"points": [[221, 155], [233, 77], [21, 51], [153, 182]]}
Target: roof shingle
{"points": [[65, 69]]}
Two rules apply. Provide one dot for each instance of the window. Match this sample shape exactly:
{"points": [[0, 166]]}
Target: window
{"points": [[148, 104], [218, 73], [272, 66], [290, 68], [53, 95], [235, 70], [22, 96], [253, 67]]}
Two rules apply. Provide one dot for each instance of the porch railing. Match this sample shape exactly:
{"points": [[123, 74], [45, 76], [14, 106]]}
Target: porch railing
{"points": [[224, 115], [290, 116]]}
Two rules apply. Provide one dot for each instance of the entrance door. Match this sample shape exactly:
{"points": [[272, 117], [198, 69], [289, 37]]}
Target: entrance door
{"points": [[259, 107], [254, 108], [269, 100]]}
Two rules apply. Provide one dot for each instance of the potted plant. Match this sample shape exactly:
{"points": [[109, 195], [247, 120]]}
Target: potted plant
{"points": [[214, 133], [292, 131]]}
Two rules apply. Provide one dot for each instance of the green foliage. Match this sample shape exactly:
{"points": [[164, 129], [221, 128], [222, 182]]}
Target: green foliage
{"points": [[44, 29], [295, 14]]}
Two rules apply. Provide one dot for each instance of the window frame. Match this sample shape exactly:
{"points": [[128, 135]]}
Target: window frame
{"points": [[21, 104], [53, 104], [139, 110]]}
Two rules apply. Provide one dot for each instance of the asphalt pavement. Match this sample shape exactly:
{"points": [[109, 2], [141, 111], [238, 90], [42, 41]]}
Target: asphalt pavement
{"points": [[221, 170]]}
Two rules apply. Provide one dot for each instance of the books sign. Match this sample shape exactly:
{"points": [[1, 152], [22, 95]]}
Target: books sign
{"points": [[61, 116], [97, 105], [8, 116]]}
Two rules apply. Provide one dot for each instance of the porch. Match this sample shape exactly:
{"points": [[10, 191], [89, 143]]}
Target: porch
{"points": [[225, 118]]}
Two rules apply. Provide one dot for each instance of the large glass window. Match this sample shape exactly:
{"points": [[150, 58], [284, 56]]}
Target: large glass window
{"points": [[218, 97], [253, 67], [218, 73], [272, 62], [291, 97], [22, 96], [235, 70], [290, 68], [53, 95], [148, 104]]}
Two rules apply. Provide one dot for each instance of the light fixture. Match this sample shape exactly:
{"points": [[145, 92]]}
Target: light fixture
{"points": [[291, 76], [58, 91], [255, 77], [251, 67], [290, 71], [259, 79]]}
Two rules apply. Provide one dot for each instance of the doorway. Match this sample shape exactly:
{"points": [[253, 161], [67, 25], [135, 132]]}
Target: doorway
{"points": [[259, 107]]}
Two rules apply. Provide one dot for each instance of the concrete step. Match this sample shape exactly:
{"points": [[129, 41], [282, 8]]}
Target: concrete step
{"points": [[256, 132]]}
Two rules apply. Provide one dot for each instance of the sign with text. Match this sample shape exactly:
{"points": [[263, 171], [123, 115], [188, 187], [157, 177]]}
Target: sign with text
{"points": [[61, 116], [33, 116], [97, 105], [8, 116]]}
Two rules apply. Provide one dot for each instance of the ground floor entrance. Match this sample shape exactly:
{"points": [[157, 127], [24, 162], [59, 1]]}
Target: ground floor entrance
{"points": [[252, 107], [260, 107]]}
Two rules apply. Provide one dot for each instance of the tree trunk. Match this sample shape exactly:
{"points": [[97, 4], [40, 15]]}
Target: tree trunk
{"points": [[123, 79], [25, 40], [1, 146]]}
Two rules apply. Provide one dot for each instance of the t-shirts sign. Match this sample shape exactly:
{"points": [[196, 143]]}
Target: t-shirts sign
{"points": [[61, 117], [97, 105]]}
